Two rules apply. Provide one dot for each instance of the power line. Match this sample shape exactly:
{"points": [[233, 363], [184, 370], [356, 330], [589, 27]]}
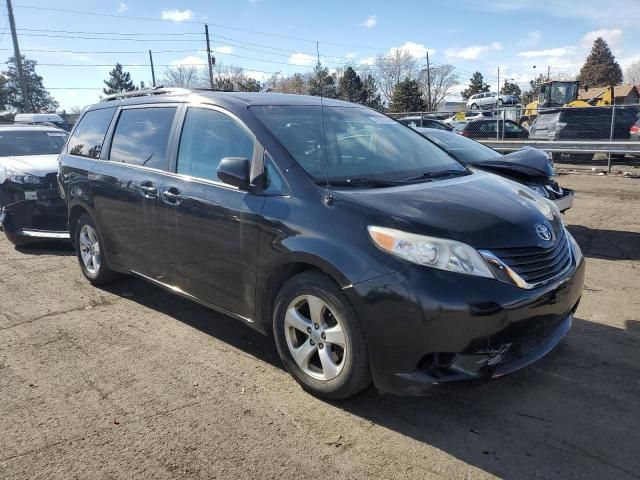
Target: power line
{"points": [[226, 27]]}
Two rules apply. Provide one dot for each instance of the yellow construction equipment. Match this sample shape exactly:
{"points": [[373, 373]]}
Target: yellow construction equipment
{"points": [[557, 94]]}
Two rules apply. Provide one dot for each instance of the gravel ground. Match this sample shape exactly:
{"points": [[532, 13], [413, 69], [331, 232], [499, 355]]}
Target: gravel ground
{"points": [[130, 381]]}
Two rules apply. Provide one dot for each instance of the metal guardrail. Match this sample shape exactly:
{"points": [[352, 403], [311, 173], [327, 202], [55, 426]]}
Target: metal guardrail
{"points": [[577, 146]]}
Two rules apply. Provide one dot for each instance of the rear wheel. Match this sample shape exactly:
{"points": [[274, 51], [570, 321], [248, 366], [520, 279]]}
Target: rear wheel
{"points": [[474, 106], [90, 252], [319, 337]]}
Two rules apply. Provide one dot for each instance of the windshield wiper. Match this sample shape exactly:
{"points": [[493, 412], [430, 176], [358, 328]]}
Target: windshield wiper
{"points": [[439, 174], [365, 182]]}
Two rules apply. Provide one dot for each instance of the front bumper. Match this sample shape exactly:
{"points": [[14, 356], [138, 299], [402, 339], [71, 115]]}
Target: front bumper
{"points": [[36, 216], [426, 326]]}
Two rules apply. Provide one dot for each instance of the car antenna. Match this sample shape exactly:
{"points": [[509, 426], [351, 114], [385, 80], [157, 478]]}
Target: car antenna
{"points": [[329, 198]]}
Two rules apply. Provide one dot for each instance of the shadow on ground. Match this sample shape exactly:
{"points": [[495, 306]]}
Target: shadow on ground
{"points": [[607, 244], [570, 415], [62, 249]]}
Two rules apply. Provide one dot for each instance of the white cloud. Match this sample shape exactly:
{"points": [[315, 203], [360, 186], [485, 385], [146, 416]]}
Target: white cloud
{"points": [[367, 61], [122, 7], [260, 76], [612, 36], [549, 52], [302, 59], [530, 40], [418, 50], [177, 15], [190, 60], [472, 52], [370, 22], [224, 49], [351, 55]]}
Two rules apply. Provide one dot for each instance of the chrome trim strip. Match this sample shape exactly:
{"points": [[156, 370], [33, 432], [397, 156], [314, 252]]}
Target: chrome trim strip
{"points": [[43, 234]]}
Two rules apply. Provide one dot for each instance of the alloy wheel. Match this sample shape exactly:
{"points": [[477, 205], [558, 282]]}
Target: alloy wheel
{"points": [[90, 250], [315, 337]]}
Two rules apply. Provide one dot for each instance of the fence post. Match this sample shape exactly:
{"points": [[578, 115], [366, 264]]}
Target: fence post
{"points": [[612, 130]]}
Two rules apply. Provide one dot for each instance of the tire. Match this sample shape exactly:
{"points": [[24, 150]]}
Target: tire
{"points": [[581, 157], [88, 245], [324, 368], [474, 106], [500, 102]]}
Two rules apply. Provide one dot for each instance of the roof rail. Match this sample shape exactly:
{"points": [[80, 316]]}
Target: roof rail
{"points": [[146, 92]]}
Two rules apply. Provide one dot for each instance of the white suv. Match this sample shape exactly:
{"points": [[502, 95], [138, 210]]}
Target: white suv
{"points": [[490, 99]]}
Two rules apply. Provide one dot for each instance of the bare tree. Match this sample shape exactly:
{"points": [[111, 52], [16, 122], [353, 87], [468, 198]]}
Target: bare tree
{"points": [[297, 83], [394, 67], [183, 76], [632, 73], [442, 78]]}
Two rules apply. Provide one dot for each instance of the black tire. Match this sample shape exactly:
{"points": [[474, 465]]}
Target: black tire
{"points": [[103, 274], [581, 157], [474, 106], [356, 370]]}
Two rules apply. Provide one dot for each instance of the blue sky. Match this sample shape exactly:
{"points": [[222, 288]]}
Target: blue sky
{"points": [[472, 35]]}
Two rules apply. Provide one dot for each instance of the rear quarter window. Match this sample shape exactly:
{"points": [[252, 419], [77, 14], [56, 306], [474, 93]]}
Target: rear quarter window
{"points": [[88, 137]]}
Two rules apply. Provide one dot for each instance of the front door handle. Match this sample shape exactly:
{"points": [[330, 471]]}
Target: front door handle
{"points": [[148, 189], [172, 196]]}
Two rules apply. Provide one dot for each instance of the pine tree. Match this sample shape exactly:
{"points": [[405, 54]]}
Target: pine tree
{"points": [[39, 98], [119, 81], [222, 83], [322, 83], [350, 87], [510, 89], [476, 85], [601, 68], [372, 97], [249, 85], [407, 97]]}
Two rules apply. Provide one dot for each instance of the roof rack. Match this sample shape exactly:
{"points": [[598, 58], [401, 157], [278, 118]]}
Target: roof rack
{"points": [[147, 92]]}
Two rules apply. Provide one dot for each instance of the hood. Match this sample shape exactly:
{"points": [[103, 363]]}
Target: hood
{"points": [[38, 165], [481, 209], [526, 161]]}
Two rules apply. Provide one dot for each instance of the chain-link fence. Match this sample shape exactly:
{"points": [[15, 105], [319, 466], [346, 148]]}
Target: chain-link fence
{"points": [[606, 137]]}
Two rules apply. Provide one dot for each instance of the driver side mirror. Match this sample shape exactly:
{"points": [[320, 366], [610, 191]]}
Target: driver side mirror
{"points": [[235, 171]]}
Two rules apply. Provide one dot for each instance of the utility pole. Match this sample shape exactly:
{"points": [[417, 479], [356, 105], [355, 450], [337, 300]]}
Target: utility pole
{"points": [[26, 104], [548, 72], [428, 85], [497, 111], [206, 34], [153, 72]]}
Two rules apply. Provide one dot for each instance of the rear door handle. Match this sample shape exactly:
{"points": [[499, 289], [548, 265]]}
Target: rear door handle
{"points": [[172, 196]]}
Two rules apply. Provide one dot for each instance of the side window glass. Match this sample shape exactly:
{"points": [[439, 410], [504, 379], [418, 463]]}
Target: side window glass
{"points": [[274, 183], [142, 136], [88, 136], [207, 137]]}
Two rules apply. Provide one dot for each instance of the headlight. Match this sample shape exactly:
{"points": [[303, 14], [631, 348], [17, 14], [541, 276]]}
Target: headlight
{"points": [[432, 252], [539, 189], [17, 176], [575, 248]]}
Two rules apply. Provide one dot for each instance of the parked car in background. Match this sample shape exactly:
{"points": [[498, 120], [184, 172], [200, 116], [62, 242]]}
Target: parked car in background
{"points": [[367, 251], [587, 123], [634, 131], [31, 208], [51, 119], [418, 121], [490, 100], [493, 129], [530, 166], [468, 117]]}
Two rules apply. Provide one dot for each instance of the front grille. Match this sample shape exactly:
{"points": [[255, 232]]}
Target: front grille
{"points": [[535, 264]]}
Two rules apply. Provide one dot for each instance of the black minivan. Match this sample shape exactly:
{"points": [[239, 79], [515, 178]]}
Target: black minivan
{"points": [[367, 251]]}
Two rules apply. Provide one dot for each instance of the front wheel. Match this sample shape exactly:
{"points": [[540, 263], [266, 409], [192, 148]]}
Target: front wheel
{"points": [[319, 337], [474, 106], [89, 250]]}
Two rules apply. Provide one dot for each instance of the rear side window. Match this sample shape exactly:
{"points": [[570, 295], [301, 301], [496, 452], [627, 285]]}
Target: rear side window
{"points": [[142, 136], [88, 136], [207, 137]]}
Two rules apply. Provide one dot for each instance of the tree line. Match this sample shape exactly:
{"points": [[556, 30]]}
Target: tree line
{"points": [[394, 82]]}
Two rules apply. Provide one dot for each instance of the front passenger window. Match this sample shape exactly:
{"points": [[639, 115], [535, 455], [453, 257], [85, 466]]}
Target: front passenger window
{"points": [[207, 137]]}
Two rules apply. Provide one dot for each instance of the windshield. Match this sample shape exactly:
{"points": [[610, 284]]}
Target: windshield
{"points": [[358, 143], [21, 142], [464, 149]]}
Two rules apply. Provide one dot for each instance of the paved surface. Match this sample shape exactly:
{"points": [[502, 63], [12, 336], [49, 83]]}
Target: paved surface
{"points": [[131, 382]]}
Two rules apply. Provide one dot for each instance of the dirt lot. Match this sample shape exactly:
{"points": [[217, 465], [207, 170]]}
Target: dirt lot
{"points": [[130, 382]]}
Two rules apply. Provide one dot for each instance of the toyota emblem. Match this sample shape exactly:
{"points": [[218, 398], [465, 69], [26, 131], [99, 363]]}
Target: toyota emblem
{"points": [[543, 232]]}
